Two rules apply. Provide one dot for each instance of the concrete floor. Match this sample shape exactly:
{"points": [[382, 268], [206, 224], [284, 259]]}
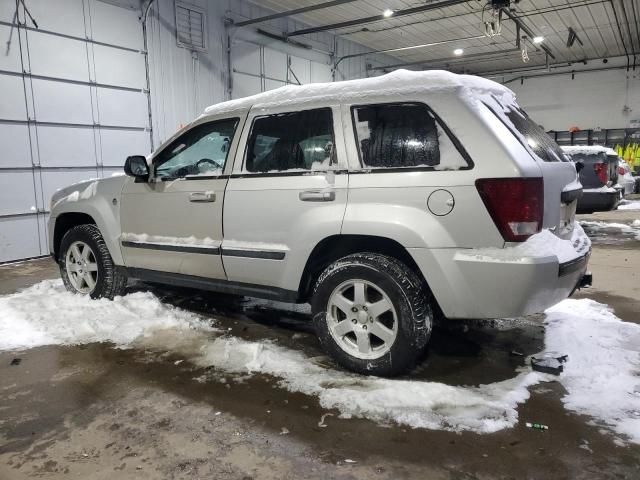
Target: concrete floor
{"points": [[96, 412]]}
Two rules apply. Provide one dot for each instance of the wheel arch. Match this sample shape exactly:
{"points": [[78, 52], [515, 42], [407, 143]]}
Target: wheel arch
{"points": [[335, 247], [65, 222]]}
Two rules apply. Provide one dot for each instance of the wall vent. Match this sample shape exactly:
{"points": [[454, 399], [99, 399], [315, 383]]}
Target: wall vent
{"points": [[191, 27]]}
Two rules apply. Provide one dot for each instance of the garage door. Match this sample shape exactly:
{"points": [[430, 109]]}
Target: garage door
{"points": [[257, 69], [74, 105]]}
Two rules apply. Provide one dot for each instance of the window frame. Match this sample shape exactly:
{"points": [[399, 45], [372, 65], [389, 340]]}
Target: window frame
{"points": [[172, 143], [284, 173], [439, 122]]}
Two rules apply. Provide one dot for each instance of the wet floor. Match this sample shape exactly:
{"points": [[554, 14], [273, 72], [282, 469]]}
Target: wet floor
{"points": [[95, 411]]}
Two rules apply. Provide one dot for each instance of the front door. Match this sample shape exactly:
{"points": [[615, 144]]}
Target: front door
{"points": [[173, 223]]}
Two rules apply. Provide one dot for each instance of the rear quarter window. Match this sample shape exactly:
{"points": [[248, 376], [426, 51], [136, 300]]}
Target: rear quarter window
{"points": [[531, 135], [405, 136]]}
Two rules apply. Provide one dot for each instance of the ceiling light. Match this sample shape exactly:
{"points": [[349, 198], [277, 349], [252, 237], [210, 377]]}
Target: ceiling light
{"points": [[538, 39], [387, 13], [458, 51]]}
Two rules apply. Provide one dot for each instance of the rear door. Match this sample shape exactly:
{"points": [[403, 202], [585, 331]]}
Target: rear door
{"points": [[288, 191], [174, 222]]}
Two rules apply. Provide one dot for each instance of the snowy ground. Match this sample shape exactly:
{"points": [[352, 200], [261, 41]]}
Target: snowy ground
{"points": [[611, 232], [601, 377], [629, 205]]}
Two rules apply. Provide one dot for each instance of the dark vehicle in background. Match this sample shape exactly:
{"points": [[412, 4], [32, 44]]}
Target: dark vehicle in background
{"points": [[598, 175]]}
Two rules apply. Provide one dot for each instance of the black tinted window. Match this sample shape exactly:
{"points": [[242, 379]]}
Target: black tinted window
{"points": [[396, 136], [531, 133], [291, 141]]}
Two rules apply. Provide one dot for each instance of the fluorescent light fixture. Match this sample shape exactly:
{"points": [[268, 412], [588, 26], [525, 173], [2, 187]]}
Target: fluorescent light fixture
{"points": [[387, 13], [458, 51], [538, 39]]}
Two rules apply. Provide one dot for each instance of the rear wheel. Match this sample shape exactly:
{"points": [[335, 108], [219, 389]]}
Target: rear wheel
{"points": [[86, 267], [372, 314]]}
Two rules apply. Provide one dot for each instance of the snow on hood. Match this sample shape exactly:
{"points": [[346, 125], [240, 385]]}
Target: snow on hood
{"points": [[600, 377], [396, 82]]}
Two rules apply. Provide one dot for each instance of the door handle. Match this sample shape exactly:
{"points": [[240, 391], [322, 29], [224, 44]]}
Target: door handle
{"points": [[317, 196], [202, 197]]}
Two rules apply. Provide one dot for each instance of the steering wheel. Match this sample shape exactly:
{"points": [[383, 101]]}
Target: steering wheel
{"points": [[202, 161]]}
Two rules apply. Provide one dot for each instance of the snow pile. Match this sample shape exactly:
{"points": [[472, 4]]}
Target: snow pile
{"points": [[603, 189], [602, 377], [629, 205], [46, 314], [540, 245], [588, 150], [418, 404]]}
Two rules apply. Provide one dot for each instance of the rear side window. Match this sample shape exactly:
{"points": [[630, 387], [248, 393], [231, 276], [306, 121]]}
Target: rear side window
{"points": [[403, 136], [291, 141], [529, 133]]}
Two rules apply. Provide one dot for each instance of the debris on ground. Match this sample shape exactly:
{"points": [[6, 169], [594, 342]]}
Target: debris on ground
{"points": [[348, 460], [537, 426], [178, 362], [16, 361], [549, 362], [516, 353], [284, 431], [321, 423]]}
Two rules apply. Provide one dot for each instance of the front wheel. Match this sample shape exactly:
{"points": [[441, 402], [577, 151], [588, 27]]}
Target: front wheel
{"points": [[86, 267], [372, 314]]}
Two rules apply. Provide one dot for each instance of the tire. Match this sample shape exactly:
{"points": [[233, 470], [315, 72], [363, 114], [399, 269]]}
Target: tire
{"points": [[109, 280], [386, 280]]}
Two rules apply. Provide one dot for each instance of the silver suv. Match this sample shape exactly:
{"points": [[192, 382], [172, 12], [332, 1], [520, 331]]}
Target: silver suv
{"points": [[382, 202]]}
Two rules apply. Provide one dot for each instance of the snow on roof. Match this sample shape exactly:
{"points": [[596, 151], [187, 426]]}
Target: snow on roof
{"points": [[588, 149], [398, 81]]}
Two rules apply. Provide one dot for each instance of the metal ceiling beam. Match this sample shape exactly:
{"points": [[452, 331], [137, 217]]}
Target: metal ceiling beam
{"points": [[446, 59], [289, 13], [526, 30], [376, 18], [404, 49]]}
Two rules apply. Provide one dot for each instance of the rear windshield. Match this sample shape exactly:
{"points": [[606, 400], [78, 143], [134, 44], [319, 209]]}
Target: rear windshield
{"points": [[529, 133]]}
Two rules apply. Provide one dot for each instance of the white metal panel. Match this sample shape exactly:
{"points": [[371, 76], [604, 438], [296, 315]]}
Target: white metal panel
{"points": [[17, 194], [122, 108], [271, 84], [12, 106], [320, 72], [53, 180], [301, 67], [117, 145], [115, 25], [61, 102], [245, 85], [18, 238], [275, 64], [59, 57], [119, 67], [66, 147], [246, 58], [15, 146], [11, 62], [62, 16]]}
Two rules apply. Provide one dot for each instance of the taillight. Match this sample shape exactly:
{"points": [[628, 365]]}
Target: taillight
{"points": [[601, 170], [516, 205], [620, 170]]}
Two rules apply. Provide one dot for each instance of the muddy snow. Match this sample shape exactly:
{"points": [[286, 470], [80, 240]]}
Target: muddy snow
{"points": [[601, 377]]}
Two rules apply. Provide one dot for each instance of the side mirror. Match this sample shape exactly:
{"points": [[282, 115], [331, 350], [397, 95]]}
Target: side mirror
{"points": [[136, 166]]}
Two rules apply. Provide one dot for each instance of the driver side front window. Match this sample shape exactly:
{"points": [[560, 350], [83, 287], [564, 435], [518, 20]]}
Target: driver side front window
{"points": [[201, 151]]}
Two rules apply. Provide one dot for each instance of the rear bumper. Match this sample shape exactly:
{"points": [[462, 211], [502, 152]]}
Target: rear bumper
{"points": [[597, 201], [468, 285]]}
